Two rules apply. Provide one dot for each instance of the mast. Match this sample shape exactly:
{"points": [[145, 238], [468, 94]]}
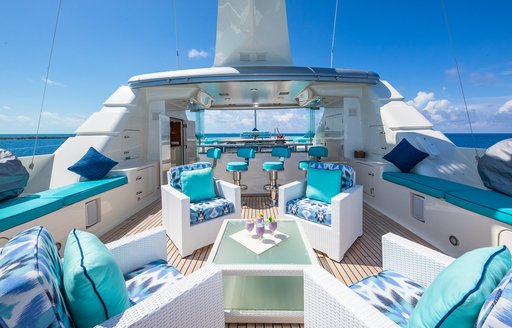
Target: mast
{"points": [[252, 33]]}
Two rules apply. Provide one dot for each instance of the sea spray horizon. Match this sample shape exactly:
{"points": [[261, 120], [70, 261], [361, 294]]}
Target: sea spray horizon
{"points": [[23, 144]]}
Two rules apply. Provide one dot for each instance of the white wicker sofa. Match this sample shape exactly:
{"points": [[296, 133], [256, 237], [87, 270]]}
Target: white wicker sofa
{"points": [[329, 303], [346, 210], [31, 288], [176, 212]]}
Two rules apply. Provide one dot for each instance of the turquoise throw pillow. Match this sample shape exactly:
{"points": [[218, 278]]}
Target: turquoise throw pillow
{"points": [[323, 184], [456, 296], [198, 184], [93, 282]]}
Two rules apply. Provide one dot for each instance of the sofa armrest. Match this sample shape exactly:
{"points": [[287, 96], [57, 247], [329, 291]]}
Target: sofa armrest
{"points": [[290, 191], [329, 303], [412, 260], [348, 204], [229, 191], [135, 251], [194, 301], [175, 212]]}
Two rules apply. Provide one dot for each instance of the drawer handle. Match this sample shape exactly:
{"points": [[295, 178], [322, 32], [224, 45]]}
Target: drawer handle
{"points": [[138, 178], [372, 174], [126, 152], [127, 137], [139, 192], [383, 148]]}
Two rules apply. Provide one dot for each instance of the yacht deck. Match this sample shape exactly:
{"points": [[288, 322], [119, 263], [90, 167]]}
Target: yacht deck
{"points": [[363, 259]]}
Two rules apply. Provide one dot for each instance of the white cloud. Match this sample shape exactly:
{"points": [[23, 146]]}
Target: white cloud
{"points": [[52, 82], [64, 121], [194, 53], [23, 118], [506, 108], [451, 72], [3, 117], [488, 114], [439, 111], [8, 108], [235, 121], [482, 78]]}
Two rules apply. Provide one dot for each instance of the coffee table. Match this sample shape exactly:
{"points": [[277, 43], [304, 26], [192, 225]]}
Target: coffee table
{"points": [[268, 287]]}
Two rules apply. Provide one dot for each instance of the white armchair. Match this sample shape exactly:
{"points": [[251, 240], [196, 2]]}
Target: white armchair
{"points": [[176, 217], [329, 303], [346, 219], [194, 301]]}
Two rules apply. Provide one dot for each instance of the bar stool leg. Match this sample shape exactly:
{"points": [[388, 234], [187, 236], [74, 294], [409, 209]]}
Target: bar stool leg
{"points": [[237, 179], [273, 187]]}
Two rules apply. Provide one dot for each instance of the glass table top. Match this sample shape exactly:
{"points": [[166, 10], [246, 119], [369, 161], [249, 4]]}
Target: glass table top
{"points": [[291, 251]]}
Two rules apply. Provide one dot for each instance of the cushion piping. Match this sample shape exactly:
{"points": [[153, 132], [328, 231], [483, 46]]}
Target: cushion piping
{"points": [[486, 265], [87, 275], [478, 204]]}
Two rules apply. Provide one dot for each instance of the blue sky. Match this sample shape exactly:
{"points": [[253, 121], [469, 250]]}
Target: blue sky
{"points": [[101, 44]]}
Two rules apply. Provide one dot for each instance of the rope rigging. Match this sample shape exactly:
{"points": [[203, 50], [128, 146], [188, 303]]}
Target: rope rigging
{"points": [[31, 166], [176, 35], [461, 85], [334, 33]]}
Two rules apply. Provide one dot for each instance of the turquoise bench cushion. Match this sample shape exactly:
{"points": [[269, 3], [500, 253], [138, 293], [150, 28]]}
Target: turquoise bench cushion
{"points": [[76, 192], [273, 166], [434, 187], [486, 202], [236, 166], [16, 211]]}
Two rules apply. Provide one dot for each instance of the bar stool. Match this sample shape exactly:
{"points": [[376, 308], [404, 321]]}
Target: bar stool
{"points": [[316, 152], [273, 168], [214, 154], [238, 167]]}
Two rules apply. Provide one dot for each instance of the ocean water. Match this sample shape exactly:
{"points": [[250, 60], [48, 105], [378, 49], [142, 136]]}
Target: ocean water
{"points": [[23, 144]]}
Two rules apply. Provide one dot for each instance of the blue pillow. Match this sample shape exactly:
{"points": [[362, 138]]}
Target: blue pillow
{"points": [[198, 184], [323, 184], [93, 282], [405, 156], [456, 296], [31, 282], [93, 166], [496, 310]]}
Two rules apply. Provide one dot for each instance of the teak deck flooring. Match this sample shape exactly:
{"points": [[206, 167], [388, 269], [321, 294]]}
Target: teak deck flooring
{"points": [[363, 259]]}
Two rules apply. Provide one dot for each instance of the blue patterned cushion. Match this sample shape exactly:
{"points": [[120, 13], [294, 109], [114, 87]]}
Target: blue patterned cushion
{"points": [[31, 282], [210, 209], [347, 172], [143, 282], [391, 293], [174, 173], [497, 309], [310, 209]]}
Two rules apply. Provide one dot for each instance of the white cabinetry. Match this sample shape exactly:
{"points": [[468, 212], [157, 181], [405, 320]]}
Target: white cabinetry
{"points": [[143, 179], [376, 143], [365, 175]]}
